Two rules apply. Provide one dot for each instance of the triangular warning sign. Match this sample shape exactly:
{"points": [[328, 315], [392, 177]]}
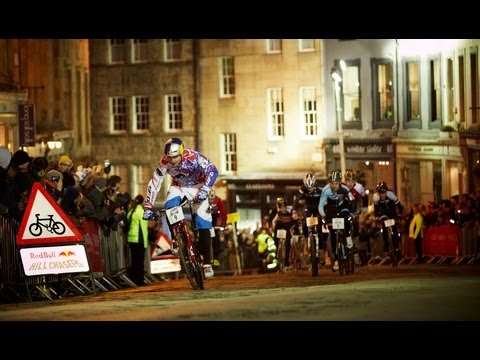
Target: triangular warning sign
{"points": [[44, 221]]}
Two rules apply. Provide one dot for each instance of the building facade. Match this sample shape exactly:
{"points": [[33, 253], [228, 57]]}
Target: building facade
{"points": [[53, 76], [266, 111]]}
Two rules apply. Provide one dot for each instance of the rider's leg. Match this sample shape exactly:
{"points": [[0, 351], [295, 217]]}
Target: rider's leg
{"points": [[203, 223], [386, 245]]}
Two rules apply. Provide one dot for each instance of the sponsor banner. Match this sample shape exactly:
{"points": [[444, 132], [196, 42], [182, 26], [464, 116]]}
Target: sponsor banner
{"points": [[54, 260], [26, 129], [442, 241]]}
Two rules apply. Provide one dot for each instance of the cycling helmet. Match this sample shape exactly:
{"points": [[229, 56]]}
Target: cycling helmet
{"points": [[382, 187], [309, 180], [350, 175], [335, 176], [211, 194], [174, 147], [281, 201]]}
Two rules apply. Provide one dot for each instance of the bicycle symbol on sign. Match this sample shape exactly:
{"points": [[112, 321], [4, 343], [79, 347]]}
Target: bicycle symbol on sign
{"points": [[48, 223]]}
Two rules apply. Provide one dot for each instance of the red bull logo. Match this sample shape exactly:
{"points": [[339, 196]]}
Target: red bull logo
{"points": [[66, 253]]}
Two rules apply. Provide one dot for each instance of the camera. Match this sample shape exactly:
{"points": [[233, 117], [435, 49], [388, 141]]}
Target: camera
{"points": [[106, 166]]}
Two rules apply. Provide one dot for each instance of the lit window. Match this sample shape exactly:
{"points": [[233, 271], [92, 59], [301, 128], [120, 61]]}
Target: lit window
{"points": [[172, 49], [118, 114], [309, 110], [142, 113], [275, 112], [227, 77], [173, 112]]}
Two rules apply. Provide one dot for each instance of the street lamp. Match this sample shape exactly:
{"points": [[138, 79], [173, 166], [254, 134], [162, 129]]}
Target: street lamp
{"points": [[337, 78]]}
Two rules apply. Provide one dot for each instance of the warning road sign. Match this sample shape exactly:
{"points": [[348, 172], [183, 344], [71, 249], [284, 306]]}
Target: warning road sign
{"points": [[44, 221]]}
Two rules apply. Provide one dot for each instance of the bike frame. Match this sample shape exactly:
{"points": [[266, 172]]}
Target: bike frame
{"points": [[187, 252], [388, 225]]}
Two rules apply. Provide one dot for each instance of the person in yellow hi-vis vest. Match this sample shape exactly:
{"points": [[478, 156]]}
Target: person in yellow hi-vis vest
{"points": [[137, 240]]}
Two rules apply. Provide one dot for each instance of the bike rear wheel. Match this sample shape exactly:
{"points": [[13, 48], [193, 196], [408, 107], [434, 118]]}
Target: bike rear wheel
{"points": [[313, 254], [393, 251], [193, 269]]}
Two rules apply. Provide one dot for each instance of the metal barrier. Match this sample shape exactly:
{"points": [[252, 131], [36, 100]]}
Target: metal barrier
{"points": [[105, 253]]}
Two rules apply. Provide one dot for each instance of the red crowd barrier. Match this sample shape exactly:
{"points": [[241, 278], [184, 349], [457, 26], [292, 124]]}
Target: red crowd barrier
{"points": [[442, 241], [90, 230]]}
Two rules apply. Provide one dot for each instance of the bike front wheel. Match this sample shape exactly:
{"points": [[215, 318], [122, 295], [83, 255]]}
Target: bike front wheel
{"points": [[193, 268]]}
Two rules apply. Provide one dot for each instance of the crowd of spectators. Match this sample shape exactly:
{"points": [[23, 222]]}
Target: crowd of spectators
{"points": [[84, 190]]}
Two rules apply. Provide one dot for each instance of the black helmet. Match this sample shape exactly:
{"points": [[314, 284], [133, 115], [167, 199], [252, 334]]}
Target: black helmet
{"points": [[335, 176], [382, 187]]}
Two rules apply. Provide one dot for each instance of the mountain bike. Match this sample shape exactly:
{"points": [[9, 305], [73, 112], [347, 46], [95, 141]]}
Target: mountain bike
{"points": [[281, 251], [313, 242], [188, 253], [345, 256], [388, 225]]}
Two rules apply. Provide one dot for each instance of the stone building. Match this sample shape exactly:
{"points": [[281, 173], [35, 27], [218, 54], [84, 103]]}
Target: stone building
{"points": [[53, 76]]}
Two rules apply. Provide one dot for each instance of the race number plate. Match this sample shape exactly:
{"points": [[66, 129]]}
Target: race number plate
{"points": [[281, 233], [389, 222], [338, 223], [175, 214], [212, 232], [312, 221], [325, 229]]}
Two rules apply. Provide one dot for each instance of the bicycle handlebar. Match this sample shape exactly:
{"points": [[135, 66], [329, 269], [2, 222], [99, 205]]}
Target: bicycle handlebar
{"points": [[159, 212]]}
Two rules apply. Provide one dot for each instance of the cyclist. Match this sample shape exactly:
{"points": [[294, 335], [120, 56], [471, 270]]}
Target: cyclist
{"points": [[219, 221], [386, 203], [336, 201], [358, 192], [282, 221], [192, 177], [310, 191]]}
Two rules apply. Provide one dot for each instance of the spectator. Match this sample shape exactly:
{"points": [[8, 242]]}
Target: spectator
{"points": [[219, 221], [416, 231], [137, 240]]}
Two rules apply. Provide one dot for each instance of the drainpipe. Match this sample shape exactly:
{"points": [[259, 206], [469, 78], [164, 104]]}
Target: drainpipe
{"points": [[196, 90], [396, 124]]}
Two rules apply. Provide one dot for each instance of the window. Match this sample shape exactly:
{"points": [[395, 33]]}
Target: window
{"points": [[229, 149], [350, 85], [141, 177], [474, 86], [275, 112], [142, 113], [122, 171], [118, 114], [435, 93], [412, 72], [274, 46], [309, 110], [173, 112], [382, 72], [172, 49], [117, 51], [305, 45], [227, 77], [450, 91], [461, 87], [140, 50]]}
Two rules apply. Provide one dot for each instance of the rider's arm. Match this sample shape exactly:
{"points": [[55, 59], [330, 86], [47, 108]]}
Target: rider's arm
{"points": [[155, 184], [323, 199], [209, 170], [391, 195]]}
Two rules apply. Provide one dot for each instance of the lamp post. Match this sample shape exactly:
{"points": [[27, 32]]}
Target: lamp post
{"points": [[338, 111]]}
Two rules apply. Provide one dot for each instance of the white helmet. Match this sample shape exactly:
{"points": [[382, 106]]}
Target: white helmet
{"points": [[309, 180], [174, 147]]}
